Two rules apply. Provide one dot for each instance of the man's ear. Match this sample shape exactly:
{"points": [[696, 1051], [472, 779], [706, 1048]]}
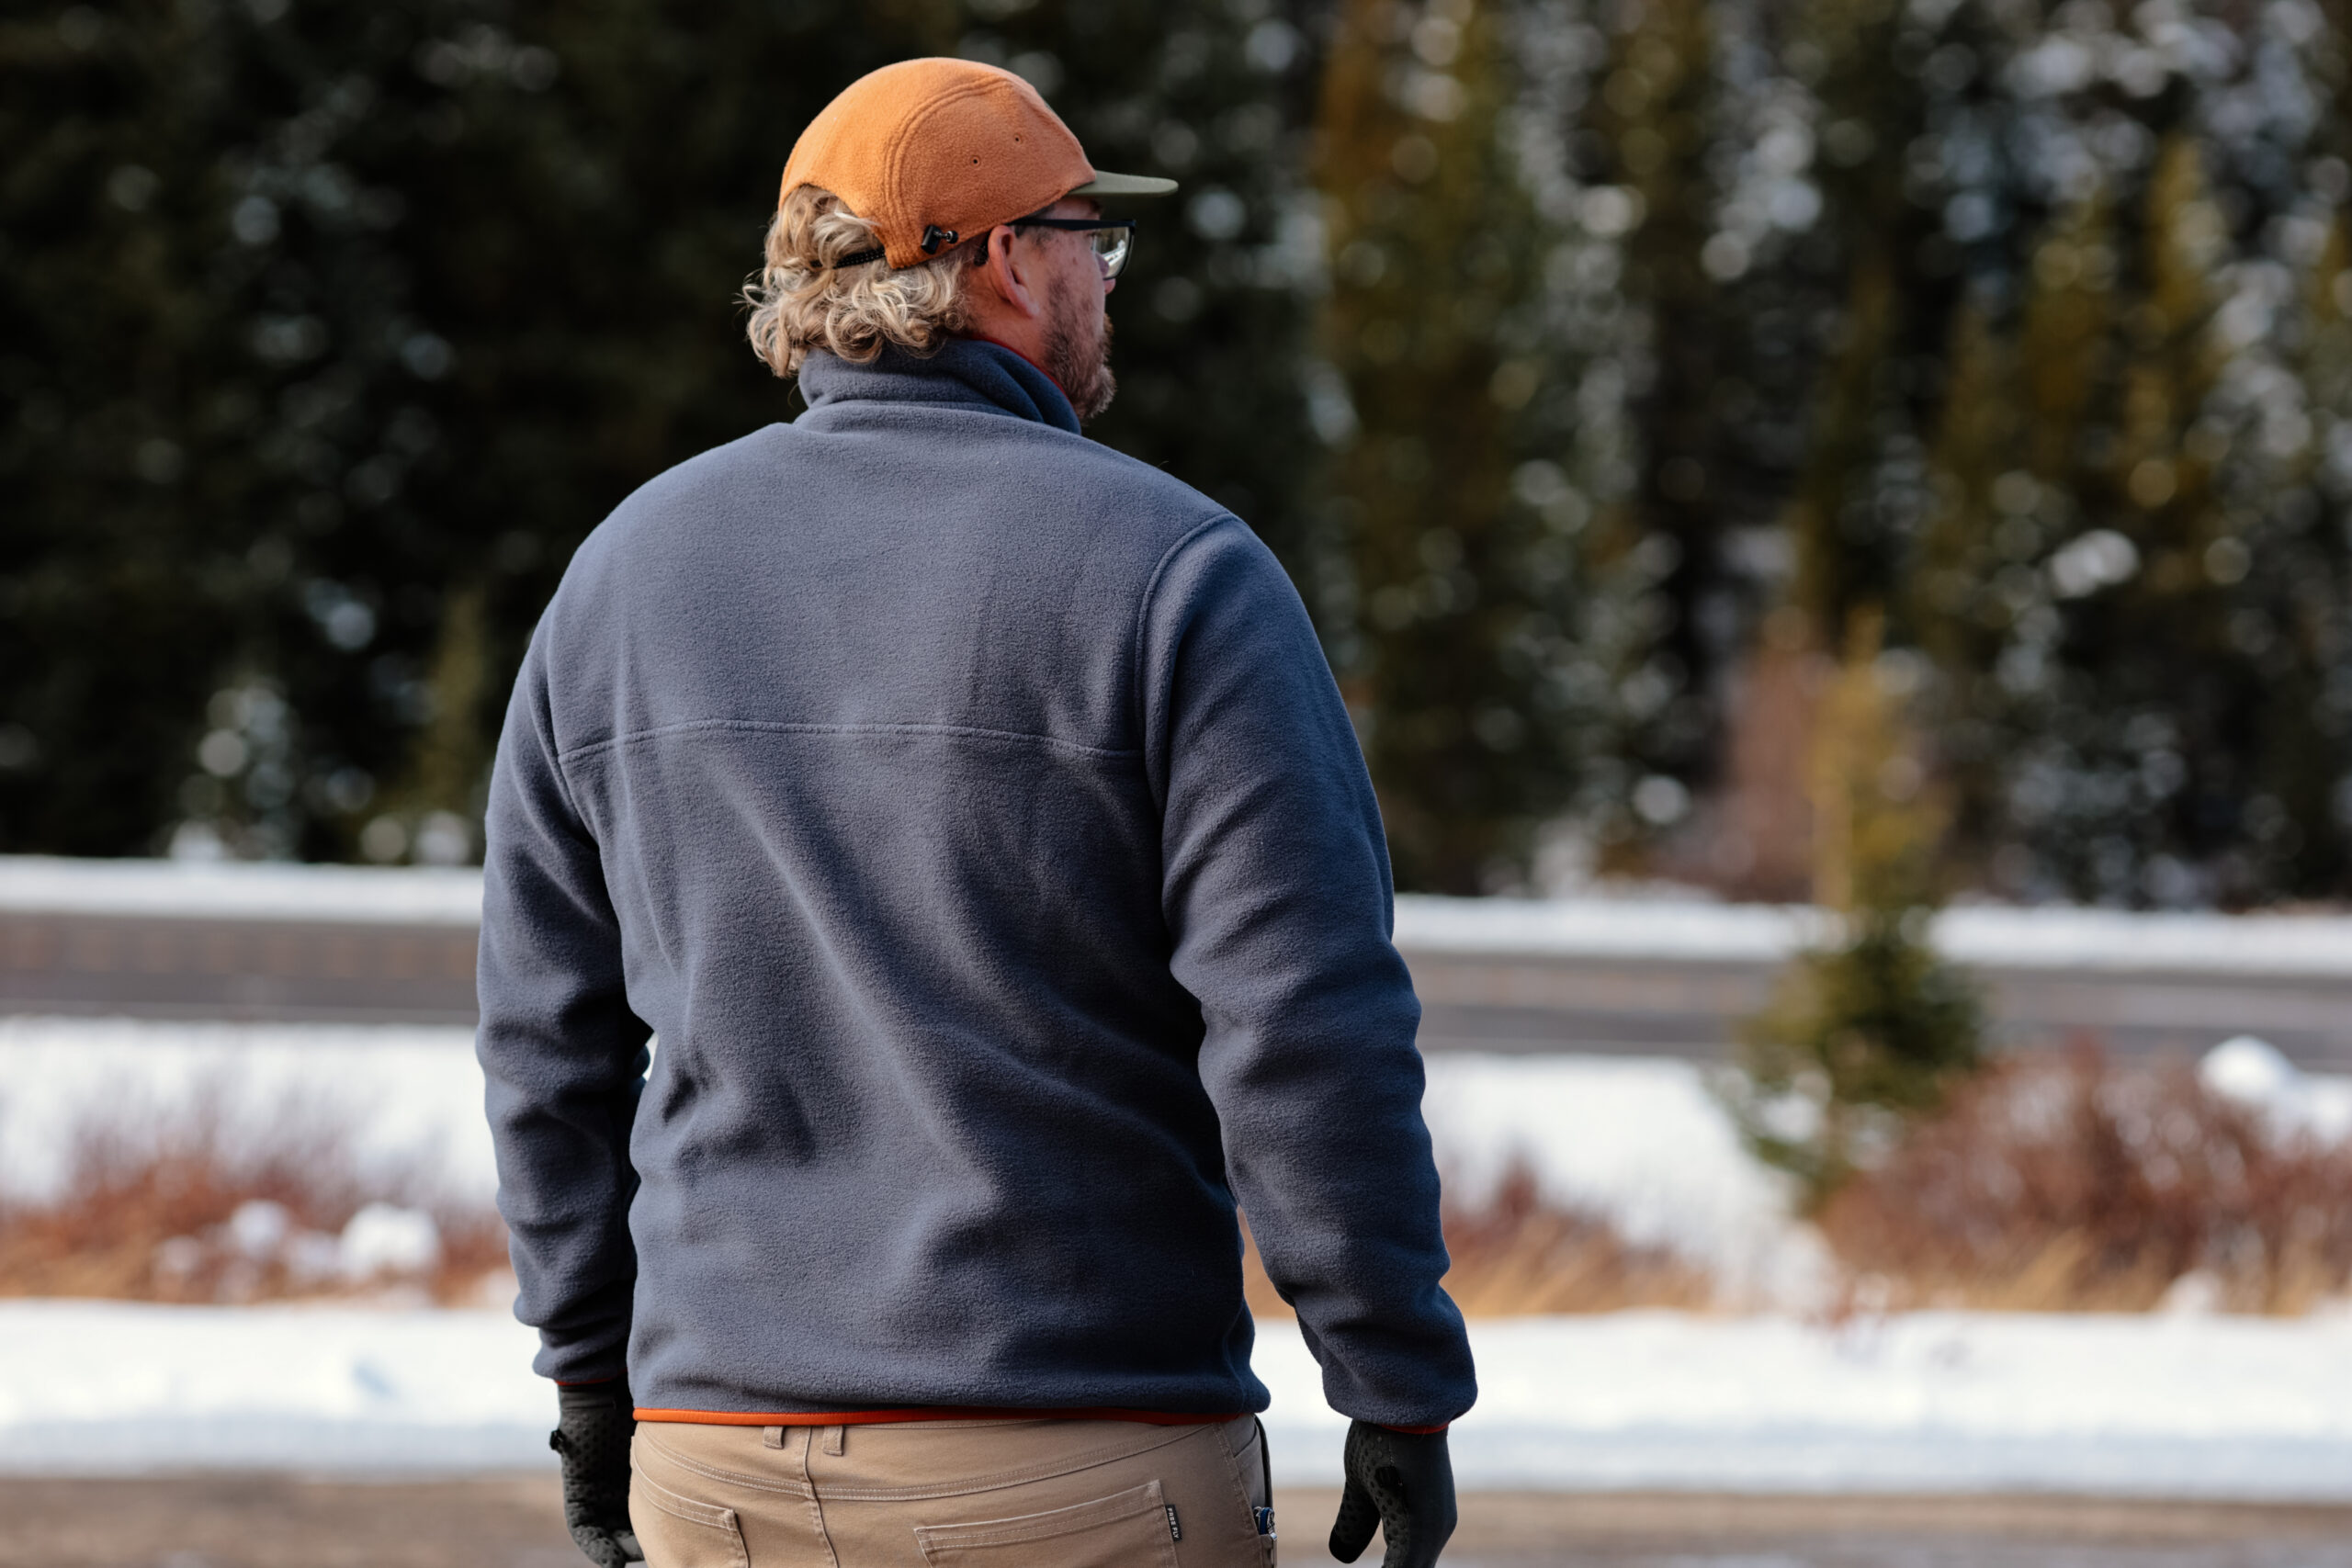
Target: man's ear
{"points": [[1004, 275]]}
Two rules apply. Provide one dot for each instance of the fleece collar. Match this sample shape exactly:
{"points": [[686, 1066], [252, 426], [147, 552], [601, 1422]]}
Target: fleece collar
{"points": [[965, 372]]}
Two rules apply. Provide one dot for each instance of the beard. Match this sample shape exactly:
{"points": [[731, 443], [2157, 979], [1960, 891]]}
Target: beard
{"points": [[1078, 355]]}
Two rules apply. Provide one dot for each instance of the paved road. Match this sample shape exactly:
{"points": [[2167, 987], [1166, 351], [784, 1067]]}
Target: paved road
{"points": [[1701, 1531], [307, 971], [1546, 1002], [341, 971], [267, 1521]]}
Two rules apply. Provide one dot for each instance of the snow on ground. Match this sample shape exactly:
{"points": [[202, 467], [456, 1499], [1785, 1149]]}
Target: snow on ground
{"points": [[408, 1094], [1634, 922], [105, 1387], [1691, 930], [2258, 1075], [227, 890], [1641, 1141], [1944, 1402], [2181, 1404], [1938, 1402]]}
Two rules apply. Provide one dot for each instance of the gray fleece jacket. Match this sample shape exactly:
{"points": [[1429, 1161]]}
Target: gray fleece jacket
{"points": [[970, 814]]}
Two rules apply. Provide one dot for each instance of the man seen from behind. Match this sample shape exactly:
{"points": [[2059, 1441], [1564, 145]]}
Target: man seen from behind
{"points": [[960, 818]]}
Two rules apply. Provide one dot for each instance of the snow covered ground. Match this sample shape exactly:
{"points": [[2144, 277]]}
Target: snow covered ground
{"points": [[2181, 1404], [1632, 922], [241, 891], [1677, 926], [2179, 1407], [408, 1095], [1641, 1141], [1946, 1401]]}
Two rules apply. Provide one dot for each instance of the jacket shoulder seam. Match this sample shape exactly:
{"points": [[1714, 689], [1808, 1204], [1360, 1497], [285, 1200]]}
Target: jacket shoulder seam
{"points": [[1142, 610], [778, 727]]}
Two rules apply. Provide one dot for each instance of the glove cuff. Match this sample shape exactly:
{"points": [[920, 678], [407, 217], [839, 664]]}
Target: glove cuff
{"points": [[610, 1394]]}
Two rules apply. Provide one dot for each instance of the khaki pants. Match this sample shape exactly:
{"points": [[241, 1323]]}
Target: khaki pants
{"points": [[1009, 1493]]}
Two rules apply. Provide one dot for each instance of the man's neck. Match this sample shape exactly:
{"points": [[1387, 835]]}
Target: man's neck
{"points": [[1034, 363]]}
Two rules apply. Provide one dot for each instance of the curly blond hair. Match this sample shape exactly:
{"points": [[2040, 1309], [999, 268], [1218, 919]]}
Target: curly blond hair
{"points": [[805, 300]]}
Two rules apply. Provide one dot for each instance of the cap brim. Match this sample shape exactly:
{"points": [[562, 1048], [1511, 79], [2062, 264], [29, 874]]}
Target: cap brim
{"points": [[1126, 184]]}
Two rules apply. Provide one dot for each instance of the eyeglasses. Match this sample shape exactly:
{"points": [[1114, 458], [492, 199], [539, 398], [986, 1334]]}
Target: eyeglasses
{"points": [[1112, 239]]}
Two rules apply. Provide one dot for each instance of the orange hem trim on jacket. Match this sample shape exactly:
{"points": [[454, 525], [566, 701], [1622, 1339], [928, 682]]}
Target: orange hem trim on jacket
{"points": [[924, 1413]]}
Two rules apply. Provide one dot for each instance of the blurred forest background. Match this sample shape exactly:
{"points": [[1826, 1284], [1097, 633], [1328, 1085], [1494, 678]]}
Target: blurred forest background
{"points": [[1632, 387]]}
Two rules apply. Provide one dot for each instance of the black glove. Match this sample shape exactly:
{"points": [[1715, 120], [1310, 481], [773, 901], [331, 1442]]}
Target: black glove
{"points": [[1403, 1482], [594, 1426]]}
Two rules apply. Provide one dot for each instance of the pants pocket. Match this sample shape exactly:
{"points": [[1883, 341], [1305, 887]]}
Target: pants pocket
{"points": [[678, 1532], [1254, 1477], [1126, 1529]]}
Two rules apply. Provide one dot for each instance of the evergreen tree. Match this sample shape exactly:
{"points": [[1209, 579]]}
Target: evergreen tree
{"points": [[1653, 124], [2050, 438], [326, 333], [1456, 627], [2133, 711], [114, 451], [330, 331], [1873, 1027]]}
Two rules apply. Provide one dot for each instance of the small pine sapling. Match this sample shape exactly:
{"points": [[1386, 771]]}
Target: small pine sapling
{"points": [[1869, 1029]]}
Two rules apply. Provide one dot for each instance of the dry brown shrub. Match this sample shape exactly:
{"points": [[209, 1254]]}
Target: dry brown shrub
{"points": [[145, 1210], [2060, 1181], [1517, 1256]]}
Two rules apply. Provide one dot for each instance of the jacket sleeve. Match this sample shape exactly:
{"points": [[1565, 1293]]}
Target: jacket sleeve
{"points": [[562, 1056], [1277, 895]]}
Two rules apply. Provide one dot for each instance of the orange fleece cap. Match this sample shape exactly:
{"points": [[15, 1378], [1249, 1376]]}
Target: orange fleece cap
{"points": [[934, 151]]}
